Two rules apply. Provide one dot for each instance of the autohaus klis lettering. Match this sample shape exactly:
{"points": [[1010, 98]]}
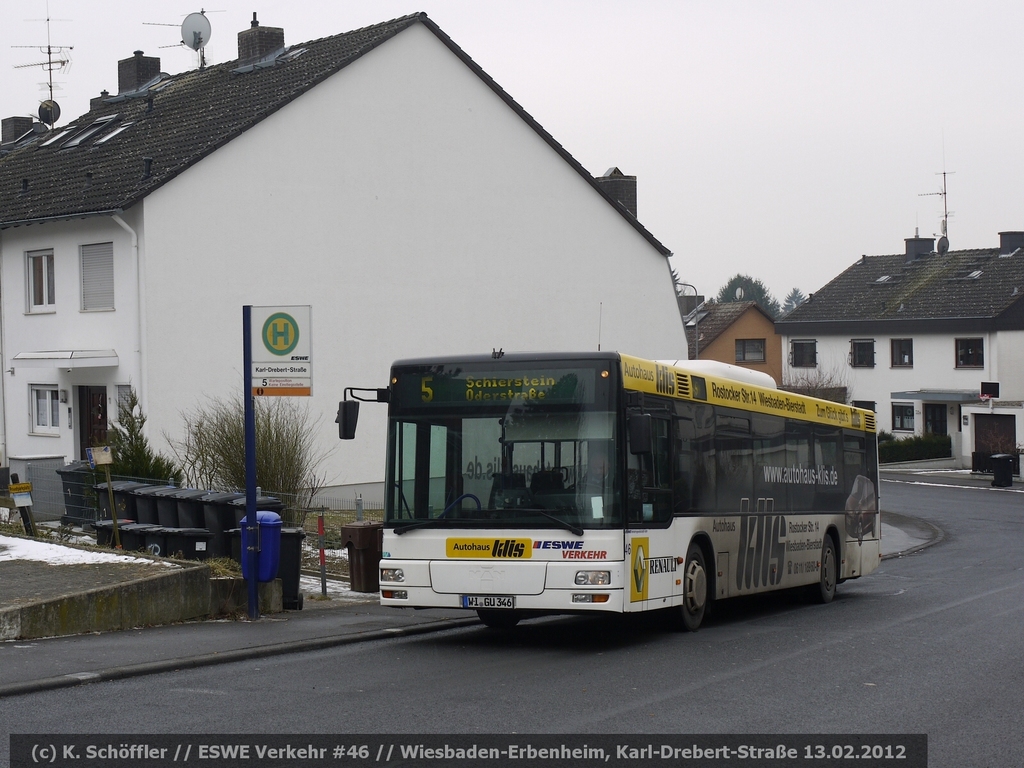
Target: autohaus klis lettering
{"points": [[666, 380], [508, 548], [762, 551]]}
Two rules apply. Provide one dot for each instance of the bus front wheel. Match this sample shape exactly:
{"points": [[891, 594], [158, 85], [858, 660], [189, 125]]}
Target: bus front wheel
{"points": [[695, 589], [825, 589], [498, 619]]}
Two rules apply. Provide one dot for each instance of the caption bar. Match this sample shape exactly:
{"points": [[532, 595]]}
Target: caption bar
{"points": [[529, 751]]}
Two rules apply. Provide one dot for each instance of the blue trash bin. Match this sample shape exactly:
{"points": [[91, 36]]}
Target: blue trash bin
{"points": [[269, 524]]}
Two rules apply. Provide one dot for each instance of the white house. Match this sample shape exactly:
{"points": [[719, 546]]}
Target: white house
{"points": [[915, 335], [379, 176]]}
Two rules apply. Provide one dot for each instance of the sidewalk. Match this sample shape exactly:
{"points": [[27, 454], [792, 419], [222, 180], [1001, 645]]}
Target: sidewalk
{"points": [[347, 617], [922, 473]]}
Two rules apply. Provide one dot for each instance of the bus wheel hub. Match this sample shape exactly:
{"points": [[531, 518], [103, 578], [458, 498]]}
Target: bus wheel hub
{"points": [[696, 585]]}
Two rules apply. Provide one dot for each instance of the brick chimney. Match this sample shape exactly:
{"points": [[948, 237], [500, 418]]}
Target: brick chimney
{"points": [[1008, 241], [620, 187], [14, 128], [256, 42], [134, 72]]}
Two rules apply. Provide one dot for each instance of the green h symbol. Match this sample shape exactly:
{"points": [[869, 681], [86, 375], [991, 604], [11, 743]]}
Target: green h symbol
{"points": [[280, 333]]}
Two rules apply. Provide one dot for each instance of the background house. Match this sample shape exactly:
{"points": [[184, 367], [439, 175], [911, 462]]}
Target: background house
{"points": [[735, 332], [914, 335], [379, 176]]}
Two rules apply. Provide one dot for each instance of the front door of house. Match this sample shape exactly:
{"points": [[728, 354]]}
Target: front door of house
{"points": [[935, 418], [92, 418]]}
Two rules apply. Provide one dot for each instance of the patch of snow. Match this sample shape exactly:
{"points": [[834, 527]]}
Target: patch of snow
{"points": [[13, 548], [337, 590]]}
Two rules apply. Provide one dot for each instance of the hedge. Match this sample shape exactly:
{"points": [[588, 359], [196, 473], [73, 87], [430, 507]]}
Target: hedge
{"points": [[914, 448]]}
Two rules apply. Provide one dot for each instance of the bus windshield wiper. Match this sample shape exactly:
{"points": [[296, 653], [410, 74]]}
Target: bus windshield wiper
{"points": [[571, 527], [400, 529]]}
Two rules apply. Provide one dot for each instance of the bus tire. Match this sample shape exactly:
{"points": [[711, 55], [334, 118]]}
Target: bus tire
{"points": [[825, 589], [498, 619], [695, 589]]}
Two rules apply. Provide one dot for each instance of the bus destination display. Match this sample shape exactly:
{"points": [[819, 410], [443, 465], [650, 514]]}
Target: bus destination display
{"points": [[448, 388]]}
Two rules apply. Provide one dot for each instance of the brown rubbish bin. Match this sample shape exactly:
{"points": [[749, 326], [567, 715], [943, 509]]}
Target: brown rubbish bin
{"points": [[365, 542]]}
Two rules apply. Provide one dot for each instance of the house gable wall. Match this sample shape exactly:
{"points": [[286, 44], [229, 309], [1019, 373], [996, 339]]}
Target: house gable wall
{"points": [[752, 324], [418, 215]]}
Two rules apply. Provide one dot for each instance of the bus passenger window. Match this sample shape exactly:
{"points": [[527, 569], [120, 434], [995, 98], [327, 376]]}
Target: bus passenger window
{"points": [[683, 478]]}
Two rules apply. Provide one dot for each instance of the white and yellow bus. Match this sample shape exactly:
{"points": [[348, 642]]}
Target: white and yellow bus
{"points": [[538, 484]]}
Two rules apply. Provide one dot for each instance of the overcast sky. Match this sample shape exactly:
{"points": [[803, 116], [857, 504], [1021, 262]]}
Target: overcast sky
{"points": [[776, 139]]}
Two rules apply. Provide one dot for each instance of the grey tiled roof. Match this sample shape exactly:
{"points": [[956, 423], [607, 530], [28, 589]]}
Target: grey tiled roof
{"points": [[970, 289], [183, 118], [713, 320], [192, 115]]}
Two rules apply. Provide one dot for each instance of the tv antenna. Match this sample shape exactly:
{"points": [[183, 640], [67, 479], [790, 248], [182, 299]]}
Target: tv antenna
{"points": [[195, 33], [57, 60], [942, 246]]}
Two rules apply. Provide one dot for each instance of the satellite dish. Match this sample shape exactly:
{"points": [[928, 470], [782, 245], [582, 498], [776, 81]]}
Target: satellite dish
{"points": [[195, 31], [942, 247], [49, 112], [739, 293]]}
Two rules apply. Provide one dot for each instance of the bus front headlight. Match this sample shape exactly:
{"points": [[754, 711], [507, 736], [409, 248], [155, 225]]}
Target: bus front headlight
{"points": [[395, 575], [593, 578]]}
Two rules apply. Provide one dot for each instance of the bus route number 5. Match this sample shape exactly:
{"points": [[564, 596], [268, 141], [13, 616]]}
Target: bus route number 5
{"points": [[428, 393]]}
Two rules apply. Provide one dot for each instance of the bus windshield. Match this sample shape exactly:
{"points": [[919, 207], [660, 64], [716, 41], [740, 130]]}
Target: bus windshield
{"points": [[503, 448]]}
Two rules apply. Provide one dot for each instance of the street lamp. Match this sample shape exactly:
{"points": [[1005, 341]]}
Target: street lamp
{"points": [[696, 319]]}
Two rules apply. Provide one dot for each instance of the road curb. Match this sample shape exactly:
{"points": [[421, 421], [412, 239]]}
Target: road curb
{"points": [[931, 533], [224, 657]]}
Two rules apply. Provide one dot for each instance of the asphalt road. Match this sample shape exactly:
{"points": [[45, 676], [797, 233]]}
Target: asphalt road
{"points": [[930, 643]]}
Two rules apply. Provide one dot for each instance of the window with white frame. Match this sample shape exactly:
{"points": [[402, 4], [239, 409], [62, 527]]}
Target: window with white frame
{"points": [[41, 290], [45, 409], [124, 394], [97, 276]]}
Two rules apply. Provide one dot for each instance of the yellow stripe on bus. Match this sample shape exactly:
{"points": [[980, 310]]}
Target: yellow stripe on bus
{"points": [[677, 382]]}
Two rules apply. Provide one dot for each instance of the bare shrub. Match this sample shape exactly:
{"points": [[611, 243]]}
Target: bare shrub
{"points": [[828, 384], [212, 452]]}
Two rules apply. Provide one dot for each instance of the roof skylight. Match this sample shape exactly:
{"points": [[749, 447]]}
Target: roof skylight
{"points": [[89, 132], [114, 132], [58, 137]]}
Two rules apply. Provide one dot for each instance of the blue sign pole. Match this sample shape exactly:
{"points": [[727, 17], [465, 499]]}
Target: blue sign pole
{"points": [[250, 466]]}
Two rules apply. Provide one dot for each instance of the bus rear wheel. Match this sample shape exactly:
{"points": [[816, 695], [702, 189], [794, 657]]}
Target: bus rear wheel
{"points": [[825, 589], [498, 619], [695, 589]]}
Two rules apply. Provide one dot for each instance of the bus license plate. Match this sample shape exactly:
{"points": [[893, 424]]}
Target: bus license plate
{"points": [[488, 601]]}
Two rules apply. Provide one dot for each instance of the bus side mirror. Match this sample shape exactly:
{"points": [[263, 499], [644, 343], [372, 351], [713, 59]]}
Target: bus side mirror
{"points": [[348, 415], [640, 434]]}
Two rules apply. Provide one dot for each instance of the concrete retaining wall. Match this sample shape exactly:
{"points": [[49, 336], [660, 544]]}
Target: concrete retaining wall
{"points": [[178, 595]]}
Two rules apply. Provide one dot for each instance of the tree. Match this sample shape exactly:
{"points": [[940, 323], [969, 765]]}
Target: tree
{"points": [[753, 290], [793, 300], [133, 456]]}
